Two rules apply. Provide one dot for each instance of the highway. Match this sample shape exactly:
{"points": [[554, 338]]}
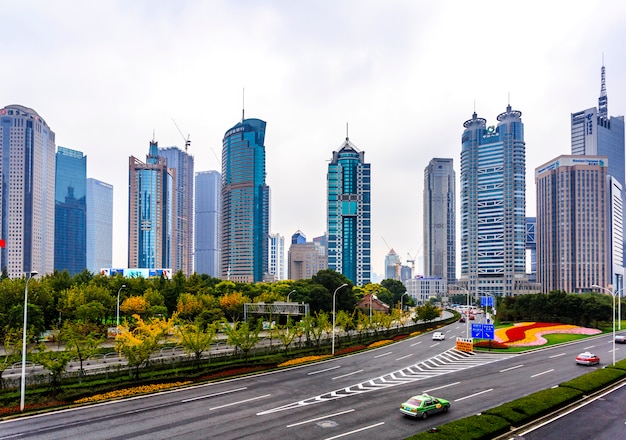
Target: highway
{"points": [[355, 396]]}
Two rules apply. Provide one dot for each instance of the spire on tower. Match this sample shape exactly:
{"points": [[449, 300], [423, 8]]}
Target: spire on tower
{"points": [[603, 110]]}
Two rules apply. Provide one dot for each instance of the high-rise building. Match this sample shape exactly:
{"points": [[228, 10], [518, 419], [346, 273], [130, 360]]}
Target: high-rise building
{"points": [[70, 211], [440, 220], [298, 237], [99, 231], [151, 212], [531, 248], [276, 263], [207, 223], [573, 223], [393, 265], [305, 259], [27, 168], [182, 163], [348, 214], [595, 133], [493, 204], [245, 203]]}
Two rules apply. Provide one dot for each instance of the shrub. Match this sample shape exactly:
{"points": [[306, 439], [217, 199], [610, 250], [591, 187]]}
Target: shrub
{"points": [[594, 380], [478, 427]]}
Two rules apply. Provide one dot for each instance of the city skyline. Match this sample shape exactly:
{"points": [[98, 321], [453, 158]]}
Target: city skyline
{"points": [[400, 74]]}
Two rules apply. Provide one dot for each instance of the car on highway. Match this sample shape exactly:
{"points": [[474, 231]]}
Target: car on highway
{"points": [[472, 317], [424, 405], [587, 358], [620, 339], [462, 319], [438, 336]]}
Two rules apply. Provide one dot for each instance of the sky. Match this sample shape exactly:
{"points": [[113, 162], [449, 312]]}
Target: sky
{"points": [[401, 76]]}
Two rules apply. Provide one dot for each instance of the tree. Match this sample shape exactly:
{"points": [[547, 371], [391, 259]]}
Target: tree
{"points": [[55, 362], [288, 333], [196, 338], [12, 343], [242, 336], [135, 305], [232, 304], [427, 312], [81, 341]]}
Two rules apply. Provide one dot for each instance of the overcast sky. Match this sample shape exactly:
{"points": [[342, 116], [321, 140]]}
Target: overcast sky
{"points": [[404, 75]]}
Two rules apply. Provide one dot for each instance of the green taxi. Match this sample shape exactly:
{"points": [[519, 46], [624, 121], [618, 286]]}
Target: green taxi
{"points": [[424, 405]]}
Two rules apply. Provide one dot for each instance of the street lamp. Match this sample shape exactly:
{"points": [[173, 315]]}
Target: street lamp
{"points": [[23, 385], [613, 294], [117, 329], [401, 301], [335, 293], [289, 294]]}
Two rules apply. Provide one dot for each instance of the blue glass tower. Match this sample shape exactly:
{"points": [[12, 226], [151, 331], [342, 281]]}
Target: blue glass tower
{"points": [[99, 225], [70, 211], [349, 214], [493, 204], [151, 216], [207, 229], [245, 203]]}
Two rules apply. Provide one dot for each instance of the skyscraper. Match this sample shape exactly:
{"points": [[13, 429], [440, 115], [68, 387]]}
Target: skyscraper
{"points": [[70, 211], [27, 166], [151, 212], [393, 265], [99, 225], [305, 259], [182, 163], [573, 223], [276, 263], [440, 220], [207, 219], [245, 203], [493, 203], [348, 214]]}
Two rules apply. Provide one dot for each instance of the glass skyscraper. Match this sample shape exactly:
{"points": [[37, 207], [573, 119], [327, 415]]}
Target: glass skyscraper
{"points": [[493, 204], [27, 170], [70, 211], [99, 225], [440, 220], [151, 212], [245, 203], [182, 163], [207, 219], [349, 214]]}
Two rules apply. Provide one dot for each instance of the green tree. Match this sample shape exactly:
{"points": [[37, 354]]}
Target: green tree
{"points": [[12, 343], [242, 336], [427, 312], [55, 362], [81, 341], [288, 333], [196, 338]]}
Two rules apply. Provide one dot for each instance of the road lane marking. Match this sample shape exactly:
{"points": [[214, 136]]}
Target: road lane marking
{"points": [[511, 368], [441, 387], [556, 355], [213, 395], [588, 347], [543, 372], [304, 422], [240, 402], [384, 354], [348, 374], [435, 344], [324, 370], [355, 431], [473, 395], [404, 357], [413, 345]]}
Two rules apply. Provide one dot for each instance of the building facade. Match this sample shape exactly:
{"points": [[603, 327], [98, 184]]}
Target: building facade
{"points": [[393, 265], [27, 171], [183, 165], [493, 205], [99, 231], [276, 263], [531, 248], [573, 224], [305, 259], [422, 289], [151, 212], [245, 203], [70, 211], [207, 223], [349, 214], [440, 220]]}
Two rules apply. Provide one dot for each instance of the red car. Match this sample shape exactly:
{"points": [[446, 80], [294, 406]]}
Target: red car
{"points": [[472, 317], [587, 358]]}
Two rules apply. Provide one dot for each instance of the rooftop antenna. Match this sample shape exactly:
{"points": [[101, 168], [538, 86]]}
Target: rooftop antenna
{"points": [[153, 135], [243, 104], [603, 109], [347, 137], [509, 98]]}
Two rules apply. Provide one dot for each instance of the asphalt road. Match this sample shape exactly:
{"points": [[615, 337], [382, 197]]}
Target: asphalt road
{"points": [[349, 397]]}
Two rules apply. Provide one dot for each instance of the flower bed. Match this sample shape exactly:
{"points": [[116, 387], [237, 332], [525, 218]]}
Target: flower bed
{"points": [[127, 392], [527, 334], [379, 343], [303, 360]]}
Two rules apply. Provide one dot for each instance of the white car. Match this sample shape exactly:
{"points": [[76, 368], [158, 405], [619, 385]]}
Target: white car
{"points": [[620, 339], [438, 336]]}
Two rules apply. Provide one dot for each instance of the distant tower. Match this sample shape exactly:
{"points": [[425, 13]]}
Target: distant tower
{"points": [[207, 228], [245, 203], [440, 220], [349, 213], [70, 211], [151, 212], [276, 264], [182, 163], [99, 225], [392, 266], [27, 165], [305, 259]]}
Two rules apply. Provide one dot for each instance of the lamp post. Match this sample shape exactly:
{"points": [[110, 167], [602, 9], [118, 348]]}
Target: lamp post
{"points": [[289, 294], [613, 294], [23, 384], [334, 294], [117, 329], [401, 301]]}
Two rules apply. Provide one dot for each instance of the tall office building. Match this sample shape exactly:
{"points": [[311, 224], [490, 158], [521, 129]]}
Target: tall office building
{"points": [[245, 203], [27, 168], [393, 265], [70, 211], [151, 212], [305, 259], [531, 248], [493, 203], [182, 163], [348, 214], [595, 133], [207, 223], [276, 263], [440, 220], [99, 230], [573, 223]]}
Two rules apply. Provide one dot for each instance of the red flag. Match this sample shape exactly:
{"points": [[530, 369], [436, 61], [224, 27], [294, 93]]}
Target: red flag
{"points": [[3, 244]]}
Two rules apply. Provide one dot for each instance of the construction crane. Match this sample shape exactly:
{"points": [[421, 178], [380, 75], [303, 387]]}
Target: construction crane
{"points": [[411, 260], [187, 140]]}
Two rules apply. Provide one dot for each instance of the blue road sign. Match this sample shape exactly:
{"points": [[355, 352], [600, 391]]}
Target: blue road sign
{"points": [[482, 331], [486, 301]]}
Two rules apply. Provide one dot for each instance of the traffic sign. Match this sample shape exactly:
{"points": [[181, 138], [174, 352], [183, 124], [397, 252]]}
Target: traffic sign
{"points": [[483, 331]]}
